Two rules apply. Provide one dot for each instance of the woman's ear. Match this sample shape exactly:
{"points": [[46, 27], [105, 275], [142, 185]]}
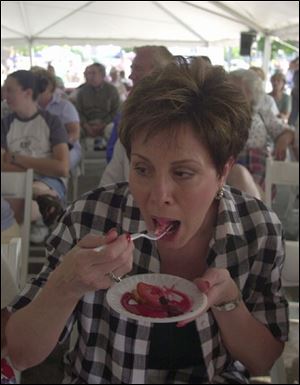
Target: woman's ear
{"points": [[226, 169], [29, 93]]}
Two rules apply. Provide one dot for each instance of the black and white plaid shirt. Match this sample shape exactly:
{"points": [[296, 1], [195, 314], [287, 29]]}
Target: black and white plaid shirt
{"points": [[112, 349]]}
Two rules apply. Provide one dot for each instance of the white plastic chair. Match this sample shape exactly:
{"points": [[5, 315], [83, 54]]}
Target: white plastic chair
{"points": [[281, 173], [18, 185], [284, 173], [73, 181], [11, 270], [89, 156], [12, 254]]}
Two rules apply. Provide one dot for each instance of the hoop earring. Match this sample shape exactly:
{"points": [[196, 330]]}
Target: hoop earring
{"points": [[220, 193]]}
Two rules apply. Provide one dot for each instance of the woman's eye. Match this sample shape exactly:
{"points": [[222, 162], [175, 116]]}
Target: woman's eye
{"points": [[184, 174], [141, 170]]}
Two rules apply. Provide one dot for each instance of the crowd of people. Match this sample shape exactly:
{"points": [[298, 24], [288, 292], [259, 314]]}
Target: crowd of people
{"points": [[186, 150]]}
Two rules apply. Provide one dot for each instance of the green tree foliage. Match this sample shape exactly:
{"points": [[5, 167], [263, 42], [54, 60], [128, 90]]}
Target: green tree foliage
{"points": [[276, 46]]}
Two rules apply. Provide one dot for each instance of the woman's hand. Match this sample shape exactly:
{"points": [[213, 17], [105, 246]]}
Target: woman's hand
{"points": [[282, 143], [9, 162], [219, 287], [84, 269]]}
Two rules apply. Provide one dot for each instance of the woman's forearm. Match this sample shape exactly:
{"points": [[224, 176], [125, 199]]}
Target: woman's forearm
{"points": [[33, 331], [248, 340], [44, 166], [11, 167]]}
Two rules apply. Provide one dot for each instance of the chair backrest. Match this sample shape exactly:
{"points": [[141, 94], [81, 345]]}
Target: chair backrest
{"points": [[16, 185], [11, 252], [91, 157], [290, 271], [282, 173]]}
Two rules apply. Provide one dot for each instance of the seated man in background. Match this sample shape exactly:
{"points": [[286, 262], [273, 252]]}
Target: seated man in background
{"points": [[97, 103]]}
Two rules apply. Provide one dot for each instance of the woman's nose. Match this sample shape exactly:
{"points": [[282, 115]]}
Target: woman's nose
{"points": [[162, 192]]}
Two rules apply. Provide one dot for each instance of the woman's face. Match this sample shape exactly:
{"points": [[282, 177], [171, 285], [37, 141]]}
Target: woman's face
{"points": [[277, 83], [174, 182], [15, 95]]}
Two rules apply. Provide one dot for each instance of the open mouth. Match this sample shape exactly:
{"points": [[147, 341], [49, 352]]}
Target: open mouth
{"points": [[164, 224]]}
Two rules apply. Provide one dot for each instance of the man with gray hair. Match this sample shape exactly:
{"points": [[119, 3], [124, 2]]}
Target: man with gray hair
{"points": [[148, 58]]}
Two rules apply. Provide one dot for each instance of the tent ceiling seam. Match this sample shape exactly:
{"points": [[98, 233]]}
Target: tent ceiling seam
{"points": [[169, 13], [243, 19], [13, 31], [210, 11], [65, 17], [25, 20]]}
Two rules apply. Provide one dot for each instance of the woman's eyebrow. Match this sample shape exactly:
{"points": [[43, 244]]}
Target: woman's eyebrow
{"points": [[140, 156], [183, 161], [176, 162]]}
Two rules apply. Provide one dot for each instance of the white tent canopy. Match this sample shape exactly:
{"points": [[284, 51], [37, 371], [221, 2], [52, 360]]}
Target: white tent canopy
{"points": [[129, 23]]}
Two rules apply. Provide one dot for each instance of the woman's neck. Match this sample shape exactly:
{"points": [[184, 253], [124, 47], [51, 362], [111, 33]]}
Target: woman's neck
{"points": [[277, 94], [27, 111]]}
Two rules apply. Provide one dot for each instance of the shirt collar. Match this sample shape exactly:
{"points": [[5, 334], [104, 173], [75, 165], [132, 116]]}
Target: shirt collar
{"points": [[228, 222]]}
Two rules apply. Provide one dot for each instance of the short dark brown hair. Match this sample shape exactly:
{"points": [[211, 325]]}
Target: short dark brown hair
{"points": [[101, 68], [29, 80], [194, 93]]}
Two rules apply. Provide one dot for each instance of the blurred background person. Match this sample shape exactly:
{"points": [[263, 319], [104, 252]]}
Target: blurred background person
{"points": [[147, 59], [294, 65], [59, 82], [115, 80], [97, 103], [31, 138], [266, 102], [281, 98], [266, 130], [127, 82], [53, 102]]}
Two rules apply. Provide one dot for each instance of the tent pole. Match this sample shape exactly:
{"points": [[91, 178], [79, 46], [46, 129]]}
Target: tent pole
{"points": [[30, 48], [267, 54]]}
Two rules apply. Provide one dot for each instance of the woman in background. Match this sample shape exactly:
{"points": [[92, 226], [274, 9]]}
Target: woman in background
{"points": [[35, 139], [281, 98]]}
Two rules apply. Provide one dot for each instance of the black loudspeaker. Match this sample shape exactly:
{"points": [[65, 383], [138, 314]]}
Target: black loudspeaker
{"points": [[246, 41]]}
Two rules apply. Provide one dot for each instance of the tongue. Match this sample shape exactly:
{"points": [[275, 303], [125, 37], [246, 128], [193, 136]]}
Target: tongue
{"points": [[162, 225]]}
